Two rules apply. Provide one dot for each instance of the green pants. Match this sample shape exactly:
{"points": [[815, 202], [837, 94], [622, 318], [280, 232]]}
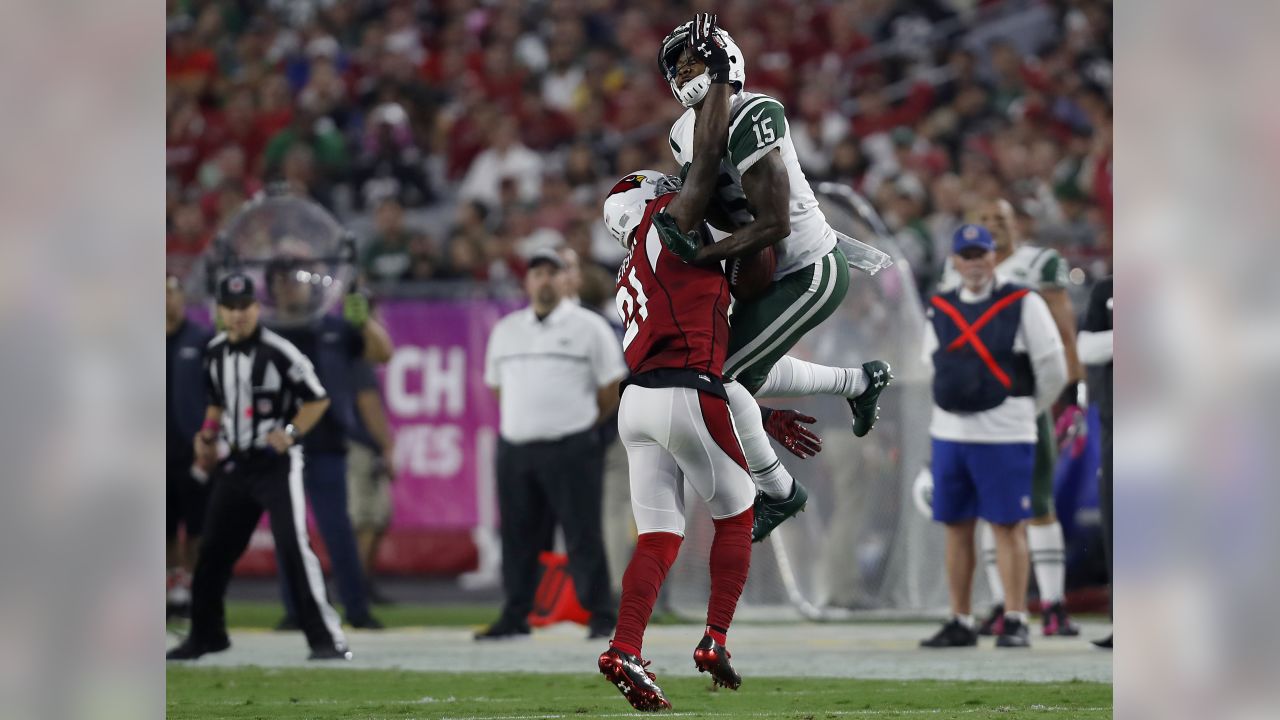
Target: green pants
{"points": [[1046, 462], [763, 330]]}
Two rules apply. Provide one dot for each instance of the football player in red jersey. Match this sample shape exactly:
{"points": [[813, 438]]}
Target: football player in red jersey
{"points": [[674, 414]]}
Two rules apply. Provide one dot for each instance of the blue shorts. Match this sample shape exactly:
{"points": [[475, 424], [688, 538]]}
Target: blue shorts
{"points": [[987, 480]]}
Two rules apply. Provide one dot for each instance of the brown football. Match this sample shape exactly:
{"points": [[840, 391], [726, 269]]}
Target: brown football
{"points": [[750, 277]]}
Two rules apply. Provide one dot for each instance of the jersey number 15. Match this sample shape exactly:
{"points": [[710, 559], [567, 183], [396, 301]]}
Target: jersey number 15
{"points": [[632, 307]]}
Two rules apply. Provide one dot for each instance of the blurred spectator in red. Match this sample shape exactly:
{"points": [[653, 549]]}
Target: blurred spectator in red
{"points": [[235, 125], [505, 158], [556, 208], [187, 239], [224, 168], [543, 128], [875, 113], [189, 66], [185, 128]]}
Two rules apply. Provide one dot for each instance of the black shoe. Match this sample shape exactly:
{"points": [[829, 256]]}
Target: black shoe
{"points": [[368, 622], [600, 631], [627, 673], [504, 630], [769, 513], [712, 657], [1014, 635], [994, 624], [953, 634], [287, 624], [1058, 622], [866, 407], [330, 653], [1104, 643], [191, 649]]}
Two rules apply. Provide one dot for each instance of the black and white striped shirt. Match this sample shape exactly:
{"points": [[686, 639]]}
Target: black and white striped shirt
{"points": [[259, 383]]}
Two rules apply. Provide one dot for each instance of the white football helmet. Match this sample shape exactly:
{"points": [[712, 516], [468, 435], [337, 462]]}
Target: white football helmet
{"points": [[625, 203], [696, 89]]}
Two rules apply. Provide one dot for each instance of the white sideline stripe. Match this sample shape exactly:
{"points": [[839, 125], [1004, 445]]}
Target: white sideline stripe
{"points": [[750, 349], [310, 563]]}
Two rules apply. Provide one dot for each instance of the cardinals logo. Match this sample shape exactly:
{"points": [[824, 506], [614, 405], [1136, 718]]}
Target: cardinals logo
{"points": [[630, 182]]}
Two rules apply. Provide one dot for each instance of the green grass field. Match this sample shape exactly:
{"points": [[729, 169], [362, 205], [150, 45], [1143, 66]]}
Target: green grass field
{"points": [[268, 694], [246, 615]]}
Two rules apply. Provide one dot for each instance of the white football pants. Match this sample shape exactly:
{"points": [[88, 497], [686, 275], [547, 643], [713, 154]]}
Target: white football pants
{"points": [[674, 434]]}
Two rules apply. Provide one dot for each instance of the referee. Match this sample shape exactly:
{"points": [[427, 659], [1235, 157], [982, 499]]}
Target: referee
{"points": [[263, 395], [556, 367]]}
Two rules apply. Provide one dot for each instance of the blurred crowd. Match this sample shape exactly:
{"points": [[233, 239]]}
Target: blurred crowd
{"points": [[457, 136]]}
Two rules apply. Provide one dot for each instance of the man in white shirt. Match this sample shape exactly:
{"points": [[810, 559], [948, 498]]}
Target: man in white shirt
{"points": [[505, 159], [556, 367], [998, 361]]}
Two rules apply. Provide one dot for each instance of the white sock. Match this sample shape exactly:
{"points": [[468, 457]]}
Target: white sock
{"points": [[1048, 557], [965, 620], [768, 472], [790, 377], [1019, 616], [989, 563]]}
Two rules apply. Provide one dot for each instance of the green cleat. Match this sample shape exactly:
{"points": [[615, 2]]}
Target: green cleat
{"points": [[770, 513], [865, 407]]}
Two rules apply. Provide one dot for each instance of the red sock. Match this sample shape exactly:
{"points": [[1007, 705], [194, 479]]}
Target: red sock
{"points": [[730, 560], [655, 552]]}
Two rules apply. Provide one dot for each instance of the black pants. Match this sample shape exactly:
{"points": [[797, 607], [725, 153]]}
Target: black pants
{"points": [[541, 484], [244, 487], [186, 498]]}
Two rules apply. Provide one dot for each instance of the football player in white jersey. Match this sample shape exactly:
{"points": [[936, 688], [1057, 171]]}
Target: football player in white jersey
{"points": [[1043, 270], [765, 201]]}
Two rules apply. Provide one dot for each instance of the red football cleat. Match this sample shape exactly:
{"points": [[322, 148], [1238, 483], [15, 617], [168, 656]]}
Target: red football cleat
{"points": [[712, 657], [627, 672]]}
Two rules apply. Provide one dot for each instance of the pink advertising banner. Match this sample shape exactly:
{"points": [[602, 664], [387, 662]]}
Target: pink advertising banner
{"points": [[444, 418]]}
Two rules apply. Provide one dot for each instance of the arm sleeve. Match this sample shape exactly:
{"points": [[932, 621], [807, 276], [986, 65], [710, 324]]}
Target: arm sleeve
{"points": [[491, 359], [302, 378], [607, 363], [759, 127], [1044, 347], [930, 344], [1095, 348]]}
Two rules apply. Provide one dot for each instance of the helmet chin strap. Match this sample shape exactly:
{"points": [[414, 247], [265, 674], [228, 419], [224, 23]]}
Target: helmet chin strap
{"points": [[694, 90]]}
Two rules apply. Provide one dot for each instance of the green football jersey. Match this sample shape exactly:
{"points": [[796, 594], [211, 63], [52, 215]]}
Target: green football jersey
{"points": [[758, 125]]}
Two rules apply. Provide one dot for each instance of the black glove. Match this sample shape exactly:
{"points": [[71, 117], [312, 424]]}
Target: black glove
{"points": [[785, 427], [684, 245], [708, 48]]}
